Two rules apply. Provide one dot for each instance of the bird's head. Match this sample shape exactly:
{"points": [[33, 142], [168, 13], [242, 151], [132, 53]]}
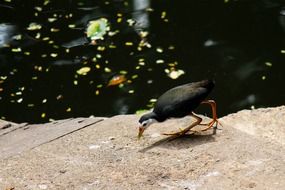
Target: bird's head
{"points": [[145, 121]]}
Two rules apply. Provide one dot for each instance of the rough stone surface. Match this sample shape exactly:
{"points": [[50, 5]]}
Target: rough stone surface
{"points": [[247, 153]]}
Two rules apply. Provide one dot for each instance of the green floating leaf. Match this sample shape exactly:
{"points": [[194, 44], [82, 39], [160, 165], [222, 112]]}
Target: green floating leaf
{"points": [[34, 26], [97, 29], [83, 70], [174, 74]]}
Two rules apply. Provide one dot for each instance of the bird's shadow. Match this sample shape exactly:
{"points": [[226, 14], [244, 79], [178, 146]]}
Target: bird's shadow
{"points": [[182, 142]]}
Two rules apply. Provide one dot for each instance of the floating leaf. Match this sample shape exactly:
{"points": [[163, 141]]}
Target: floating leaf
{"points": [[16, 50], [131, 91], [34, 26], [20, 100], [83, 70], [59, 97], [268, 64], [71, 25], [43, 115], [54, 30], [52, 19], [97, 29], [159, 50], [107, 70], [129, 43], [163, 14], [174, 74], [116, 80], [17, 37], [159, 61], [53, 54], [131, 22]]}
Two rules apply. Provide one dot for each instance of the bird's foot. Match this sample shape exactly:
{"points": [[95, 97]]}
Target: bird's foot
{"points": [[211, 123]]}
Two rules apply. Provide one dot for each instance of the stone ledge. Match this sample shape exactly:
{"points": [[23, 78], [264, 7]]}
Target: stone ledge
{"points": [[247, 153]]}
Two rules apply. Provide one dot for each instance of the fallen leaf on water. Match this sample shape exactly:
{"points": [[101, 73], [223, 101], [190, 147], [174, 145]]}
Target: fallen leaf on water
{"points": [[97, 29], [34, 26], [268, 64], [174, 74], [43, 115], [116, 80], [83, 70]]}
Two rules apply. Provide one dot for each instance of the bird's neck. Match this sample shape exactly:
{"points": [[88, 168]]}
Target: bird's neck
{"points": [[157, 118], [152, 115]]}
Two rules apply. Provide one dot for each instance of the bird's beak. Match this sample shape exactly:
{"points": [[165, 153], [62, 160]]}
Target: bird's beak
{"points": [[141, 130]]}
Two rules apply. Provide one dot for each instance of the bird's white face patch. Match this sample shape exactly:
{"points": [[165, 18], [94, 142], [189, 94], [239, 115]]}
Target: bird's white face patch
{"points": [[147, 123]]}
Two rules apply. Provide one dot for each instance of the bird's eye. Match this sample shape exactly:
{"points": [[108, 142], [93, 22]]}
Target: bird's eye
{"points": [[144, 124]]}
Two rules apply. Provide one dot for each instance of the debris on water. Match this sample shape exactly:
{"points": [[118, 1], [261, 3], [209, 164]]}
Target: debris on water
{"points": [[129, 43], [174, 74], [97, 29], [159, 61], [268, 64], [131, 91], [163, 14], [16, 50], [131, 22], [52, 19], [83, 70], [116, 80], [159, 50], [43, 115], [20, 100], [59, 97], [54, 30], [53, 55], [34, 26], [107, 70]]}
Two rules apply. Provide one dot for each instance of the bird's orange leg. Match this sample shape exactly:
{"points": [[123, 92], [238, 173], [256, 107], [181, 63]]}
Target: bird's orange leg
{"points": [[184, 131], [214, 115]]}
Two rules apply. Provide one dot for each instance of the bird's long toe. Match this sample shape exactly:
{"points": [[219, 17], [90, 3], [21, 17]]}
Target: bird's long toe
{"points": [[211, 124]]}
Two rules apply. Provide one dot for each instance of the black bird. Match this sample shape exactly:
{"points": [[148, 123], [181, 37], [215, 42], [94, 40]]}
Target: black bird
{"points": [[179, 102]]}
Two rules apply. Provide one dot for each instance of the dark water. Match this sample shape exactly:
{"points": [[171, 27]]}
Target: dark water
{"points": [[239, 43]]}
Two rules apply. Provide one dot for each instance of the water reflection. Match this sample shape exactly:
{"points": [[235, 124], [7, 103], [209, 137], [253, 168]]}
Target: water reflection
{"points": [[140, 15], [51, 70]]}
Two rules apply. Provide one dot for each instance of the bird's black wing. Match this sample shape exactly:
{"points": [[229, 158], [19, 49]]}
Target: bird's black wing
{"points": [[181, 100]]}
